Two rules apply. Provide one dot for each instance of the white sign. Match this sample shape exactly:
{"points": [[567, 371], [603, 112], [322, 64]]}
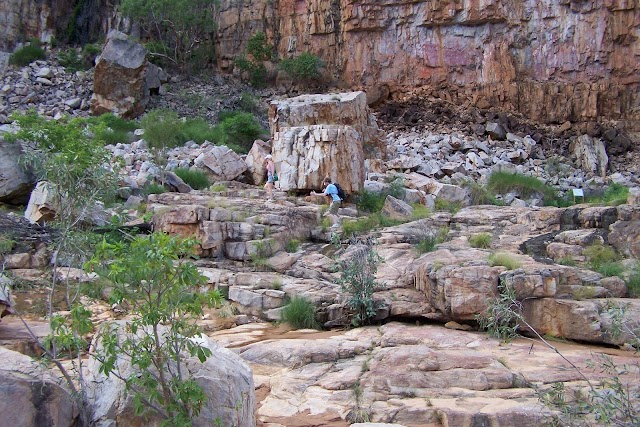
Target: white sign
{"points": [[577, 192]]}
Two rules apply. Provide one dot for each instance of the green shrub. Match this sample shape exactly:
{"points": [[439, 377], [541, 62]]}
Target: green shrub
{"points": [[610, 269], [240, 130], [480, 195], [369, 201], [300, 313], [258, 47], [525, 186], [249, 103], [445, 205], [614, 195], [27, 54], [305, 67], [292, 245], [162, 128], [154, 188], [598, 254], [358, 281], [428, 244], [71, 60], [196, 179], [568, 261], [6, 244], [111, 129], [482, 240], [500, 318], [420, 211], [396, 188], [218, 187], [503, 259], [633, 282]]}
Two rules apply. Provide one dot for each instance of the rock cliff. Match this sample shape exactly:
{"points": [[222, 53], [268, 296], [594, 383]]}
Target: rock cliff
{"points": [[550, 60]]}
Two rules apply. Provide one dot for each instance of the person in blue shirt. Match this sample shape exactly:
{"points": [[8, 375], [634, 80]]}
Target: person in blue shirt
{"points": [[330, 191]]}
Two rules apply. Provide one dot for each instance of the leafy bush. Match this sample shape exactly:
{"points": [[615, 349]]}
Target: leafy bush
{"points": [[633, 282], [6, 244], [614, 195], [292, 245], [249, 103], [111, 129], [568, 261], [420, 211], [610, 269], [500, 318], [525, 186], [480, 195], [445, 205], [196, 179], [503, 259], [259, 51], [428, 244], [27, 54], [154, 275], [300, 313], [239, 130], [482, 240], [162, 128], [154, 188], [598, 254], [258, 47], [369, 201], [181, 29], [358, 280], [218, 187], [71, 60], [305, 67]]}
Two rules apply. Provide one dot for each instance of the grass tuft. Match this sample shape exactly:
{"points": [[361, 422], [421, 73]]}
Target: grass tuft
{"points": [[300, 313], [196, 179], [482, 240], [503, 259]]}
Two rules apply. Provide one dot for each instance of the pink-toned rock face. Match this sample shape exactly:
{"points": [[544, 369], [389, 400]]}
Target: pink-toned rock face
{"points": [[553, 61]]}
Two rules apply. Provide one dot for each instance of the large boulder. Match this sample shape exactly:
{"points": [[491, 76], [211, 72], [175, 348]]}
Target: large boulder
{"points": [[591, 155], [15, 182], [227, 382], [119, 82], [255, 161], [222, 163], [42, 205], [31, 396], [315, 136]]}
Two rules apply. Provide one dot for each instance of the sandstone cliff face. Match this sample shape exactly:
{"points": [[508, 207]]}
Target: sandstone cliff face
{"points": [[43, 19], [552, 60]]}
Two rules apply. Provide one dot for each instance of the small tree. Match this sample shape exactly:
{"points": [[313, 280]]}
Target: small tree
{"points": [[75, 165], [182, 30], [358, 279], [155, 278]]}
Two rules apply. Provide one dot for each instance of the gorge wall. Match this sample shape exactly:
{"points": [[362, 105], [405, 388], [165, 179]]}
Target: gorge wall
{"points": [[551, 60]]}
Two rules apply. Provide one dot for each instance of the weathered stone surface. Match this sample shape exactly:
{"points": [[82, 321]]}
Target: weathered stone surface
{"points": [[634, 196], [222, 163], [590, 155], [42, 206], [460, 52], [255, 161], [459, 292], [175, 182], [31, 396], [119, 78], [396, 209], [15, 182], [625, 237], [315, 136], [227, 382], [581, 320]]}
